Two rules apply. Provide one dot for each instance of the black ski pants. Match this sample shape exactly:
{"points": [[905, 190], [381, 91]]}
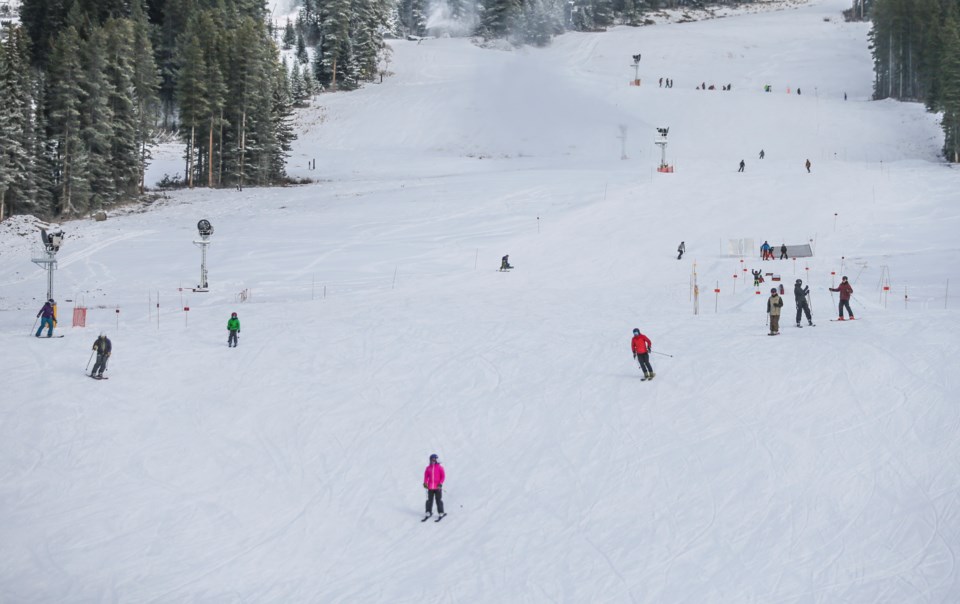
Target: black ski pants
{"points": [[845, 304], [435, 494], [803, 307], [783, 255], [101, 365], [644, 360], [232, 338]]}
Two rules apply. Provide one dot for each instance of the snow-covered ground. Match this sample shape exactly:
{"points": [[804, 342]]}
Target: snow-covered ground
{"points": [[818, 466]]}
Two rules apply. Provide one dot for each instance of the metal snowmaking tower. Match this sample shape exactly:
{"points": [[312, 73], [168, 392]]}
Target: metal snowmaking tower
{"points": [[661, 141], [206, 230], [47, 258]]}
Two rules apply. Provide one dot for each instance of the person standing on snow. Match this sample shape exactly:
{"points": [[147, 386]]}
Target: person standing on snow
{"points": [[783, 251], [762, 154], [104, 347], [774, 304], [743, 165], [433, 478], [642, 347], [757, 277], [48, 319], [233, 326], [765, 250], [681, 250], [807, 166], [800, 295], [846, 290]]}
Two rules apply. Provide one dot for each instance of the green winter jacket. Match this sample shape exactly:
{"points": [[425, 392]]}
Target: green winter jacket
{"points": [[233, 324]]}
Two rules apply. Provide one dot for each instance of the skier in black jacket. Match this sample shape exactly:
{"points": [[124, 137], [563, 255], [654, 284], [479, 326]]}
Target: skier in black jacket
{"points": [[103, 347], [800, 293]]}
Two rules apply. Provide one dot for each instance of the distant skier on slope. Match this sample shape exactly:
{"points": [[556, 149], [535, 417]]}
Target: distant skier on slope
{"points": [[757, 277], [233, 327], [48, 318], [505, 263], [433, 478], [680, 250], [774, 304], [642, 347], [104, 348], [807, 165], [783, 251], [762, 154], [800, 293], [846, 290], [765, 250], [743, 165]]}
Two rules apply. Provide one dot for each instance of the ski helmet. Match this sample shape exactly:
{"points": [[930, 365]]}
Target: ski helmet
{"points": [[51, 301], [233, 314], [434, 457], [636, 331], [799, 281], [773, 290]]}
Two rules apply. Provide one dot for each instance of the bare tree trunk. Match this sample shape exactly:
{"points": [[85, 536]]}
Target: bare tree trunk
{"points": [[210, 156], [220, 163], [243, 147], [190, 155]]}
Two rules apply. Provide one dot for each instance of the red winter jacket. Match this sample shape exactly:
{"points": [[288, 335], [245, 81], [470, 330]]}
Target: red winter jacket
{"points": [[434, 476], [845, 289], [641, 344]]}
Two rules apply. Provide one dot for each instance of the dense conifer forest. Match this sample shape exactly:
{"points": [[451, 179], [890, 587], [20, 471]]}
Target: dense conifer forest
{"points": [[88, 85]]}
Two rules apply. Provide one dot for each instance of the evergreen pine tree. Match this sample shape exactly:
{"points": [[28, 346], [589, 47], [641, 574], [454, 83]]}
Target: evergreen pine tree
{"points": [[66, 97], [950, 86]]}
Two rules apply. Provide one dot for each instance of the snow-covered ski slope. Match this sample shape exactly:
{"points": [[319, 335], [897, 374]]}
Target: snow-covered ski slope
{"points": [[820, 466]]}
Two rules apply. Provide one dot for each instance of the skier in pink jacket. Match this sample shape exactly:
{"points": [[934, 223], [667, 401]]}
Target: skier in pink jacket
{"points": [[433, 478]]}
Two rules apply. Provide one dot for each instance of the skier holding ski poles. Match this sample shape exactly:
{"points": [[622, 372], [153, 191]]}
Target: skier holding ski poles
{"points": [[846, 290], [642, 347], [800, 293], [433, 478], [103, 348]]}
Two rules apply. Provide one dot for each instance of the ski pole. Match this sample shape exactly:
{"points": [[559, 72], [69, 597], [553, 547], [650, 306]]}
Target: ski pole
{"points": [[662, 354], [34, 324], [88, 361]]}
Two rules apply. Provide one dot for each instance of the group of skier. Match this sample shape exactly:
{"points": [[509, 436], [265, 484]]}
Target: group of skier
{"points": [[743, 163], [766, 251], [104, 347]]}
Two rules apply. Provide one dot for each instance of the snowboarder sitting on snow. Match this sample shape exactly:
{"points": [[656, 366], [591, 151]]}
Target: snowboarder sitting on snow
{"points": [[642, 347], [774, 304], [846, 290], [800, 294], [681, 250], [48, 319], [104, 347], [505, 263], [233, 326], [757, 277], [433, 478]]}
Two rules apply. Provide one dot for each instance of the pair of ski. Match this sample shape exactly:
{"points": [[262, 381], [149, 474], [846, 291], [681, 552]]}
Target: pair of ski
{"points": [[809, 325], [843, 320], [97, 377], [439, 518]]}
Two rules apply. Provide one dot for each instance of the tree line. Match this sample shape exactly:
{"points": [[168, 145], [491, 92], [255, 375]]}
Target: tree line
{"points": [[916, 56], [88, 84]]}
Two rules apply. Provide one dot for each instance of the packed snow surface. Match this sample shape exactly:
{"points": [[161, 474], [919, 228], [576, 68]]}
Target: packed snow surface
{"points": [[822, 465]]}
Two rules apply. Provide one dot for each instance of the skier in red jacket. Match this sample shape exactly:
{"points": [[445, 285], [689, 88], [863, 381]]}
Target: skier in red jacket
{"points": [[846, 290], [641, 346], [433, 478]]}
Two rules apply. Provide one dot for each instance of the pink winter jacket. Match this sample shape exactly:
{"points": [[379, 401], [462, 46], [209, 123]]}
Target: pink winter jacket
{"points": [[433, 476]]}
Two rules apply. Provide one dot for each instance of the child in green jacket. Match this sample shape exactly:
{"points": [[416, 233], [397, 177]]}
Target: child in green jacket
{"points": [[233, 326]]}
